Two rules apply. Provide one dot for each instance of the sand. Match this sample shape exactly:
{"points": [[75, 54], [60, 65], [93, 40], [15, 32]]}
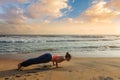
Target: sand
{"points": [[76, 69]]}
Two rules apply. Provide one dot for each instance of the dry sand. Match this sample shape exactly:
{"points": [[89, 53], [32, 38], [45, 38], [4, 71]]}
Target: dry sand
{"points": [[76, 69]]}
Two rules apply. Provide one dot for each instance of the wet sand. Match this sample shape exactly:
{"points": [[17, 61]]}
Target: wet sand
{"points": [[76, 69]]}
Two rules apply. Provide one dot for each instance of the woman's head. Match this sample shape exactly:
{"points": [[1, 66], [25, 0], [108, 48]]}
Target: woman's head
{"points": [[67, 56]]}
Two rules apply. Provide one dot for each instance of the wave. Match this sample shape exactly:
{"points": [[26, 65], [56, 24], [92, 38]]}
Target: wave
{"points": [[57, 48], [40, 41], [94, 47], [76, 36], [54, 38], [28, 44]]}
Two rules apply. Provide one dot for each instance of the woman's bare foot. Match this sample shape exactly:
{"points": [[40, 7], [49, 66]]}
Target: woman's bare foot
{"points": [[19, 67]]}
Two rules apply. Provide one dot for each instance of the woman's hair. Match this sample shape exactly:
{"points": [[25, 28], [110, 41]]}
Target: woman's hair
{"points": [[67, 55]]}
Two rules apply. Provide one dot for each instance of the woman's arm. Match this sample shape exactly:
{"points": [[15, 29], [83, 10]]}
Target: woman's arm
{"points": [[59, 60], [53, 63], [56, 64]]}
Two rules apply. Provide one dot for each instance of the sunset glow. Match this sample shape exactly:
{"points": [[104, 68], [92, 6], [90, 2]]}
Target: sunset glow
{"points": [[60, 17]]}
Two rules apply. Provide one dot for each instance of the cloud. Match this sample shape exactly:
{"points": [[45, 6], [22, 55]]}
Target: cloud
{"points": [[21, 1], [115, 4], [47, 8], [99, 12], [59, 28], [12, 14], [13, 11], [11, 1], [71, 21]]}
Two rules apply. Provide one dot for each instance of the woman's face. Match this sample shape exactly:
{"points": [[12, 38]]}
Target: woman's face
{"points": [[67, 58]]}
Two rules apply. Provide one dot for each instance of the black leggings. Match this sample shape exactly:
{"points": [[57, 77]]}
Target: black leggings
{"points": [[45, 58]]}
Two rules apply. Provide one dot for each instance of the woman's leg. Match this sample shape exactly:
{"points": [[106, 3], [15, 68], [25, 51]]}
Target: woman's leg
{"points": [[41, 59]]}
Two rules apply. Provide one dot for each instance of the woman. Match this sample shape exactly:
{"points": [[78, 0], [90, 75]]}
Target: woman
{"points": [[45, 58]]}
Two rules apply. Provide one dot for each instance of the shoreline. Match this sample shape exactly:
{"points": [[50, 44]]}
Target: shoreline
{"points": [[23, 56]]}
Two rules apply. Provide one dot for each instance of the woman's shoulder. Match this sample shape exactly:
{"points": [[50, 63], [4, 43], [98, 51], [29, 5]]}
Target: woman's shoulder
{"points": [[55, 57]]}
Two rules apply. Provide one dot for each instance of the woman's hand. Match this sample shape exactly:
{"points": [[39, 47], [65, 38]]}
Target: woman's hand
{"points": [[56, 64]]}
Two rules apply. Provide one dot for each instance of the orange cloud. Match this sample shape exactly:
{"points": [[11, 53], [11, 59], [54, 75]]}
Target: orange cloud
{"points": [[114, 4], [60, 28], [47, 8], [99, 12]]}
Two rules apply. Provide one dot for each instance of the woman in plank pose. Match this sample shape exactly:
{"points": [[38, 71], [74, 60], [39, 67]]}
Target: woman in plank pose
{"points": [[45, 58]]}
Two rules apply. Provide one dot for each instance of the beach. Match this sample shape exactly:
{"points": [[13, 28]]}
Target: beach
{"points": [[81, 68], [80, 39]]}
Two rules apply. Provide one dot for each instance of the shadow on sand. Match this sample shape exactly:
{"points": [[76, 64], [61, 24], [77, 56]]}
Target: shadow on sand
{"points": [[16, 73]]}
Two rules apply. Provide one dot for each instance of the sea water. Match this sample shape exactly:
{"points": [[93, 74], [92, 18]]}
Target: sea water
{"points": [[77, 45]]}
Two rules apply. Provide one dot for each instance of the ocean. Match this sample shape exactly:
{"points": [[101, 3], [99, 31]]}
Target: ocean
{"points": [[77, 45]]}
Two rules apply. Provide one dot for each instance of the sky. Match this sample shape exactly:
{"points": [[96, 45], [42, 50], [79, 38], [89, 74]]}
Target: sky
{"points": [[67, 17]]}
